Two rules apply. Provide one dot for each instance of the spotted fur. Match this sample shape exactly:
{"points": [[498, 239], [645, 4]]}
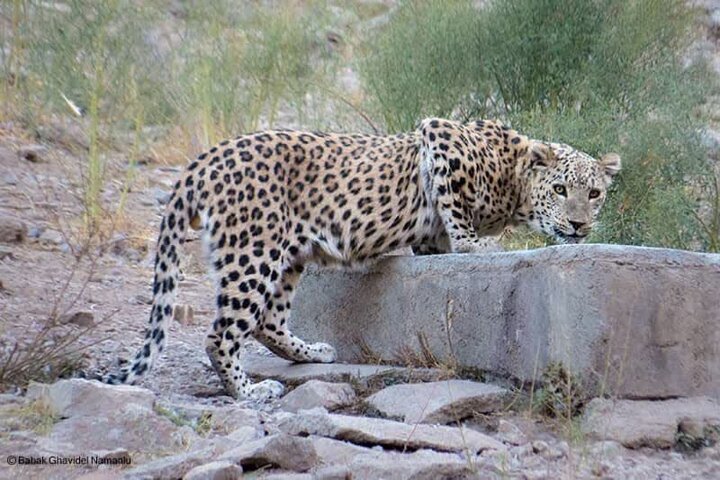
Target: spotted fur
{"points": [[270, 202]]}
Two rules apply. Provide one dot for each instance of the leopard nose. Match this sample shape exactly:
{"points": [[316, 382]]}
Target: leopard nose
{"points": [[577, 225]]}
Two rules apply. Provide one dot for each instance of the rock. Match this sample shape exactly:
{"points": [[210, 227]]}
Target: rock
{"points": [[606, 449], [280, 451], [35, 231], [79, 397], [183, 314], [387, 433], [161, 196], [526, 309], [221, 419], [646, 423], [279, 475], [11, 399], [712, 453], [711, 140], [333, 472], [691, 426], [98, 475], [244, 434], [82, 319], [33, 153], [331, 451], [132, 427], [37, 392], [12, 230], [316, 393], [422, 464], [223, 470], [6, 253], [9, 179], [174, 466], [271, 367], [142, 299], [122, 246], [714, 24], [438, 402], [510, 433], [52, 237], [229, 419]]}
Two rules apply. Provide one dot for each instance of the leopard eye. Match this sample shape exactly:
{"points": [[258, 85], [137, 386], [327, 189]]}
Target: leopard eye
{"points": [[560, 190], [594, 193]]}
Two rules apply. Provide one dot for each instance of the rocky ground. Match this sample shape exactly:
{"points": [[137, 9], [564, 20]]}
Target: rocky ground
{"points": [[401, 431]]}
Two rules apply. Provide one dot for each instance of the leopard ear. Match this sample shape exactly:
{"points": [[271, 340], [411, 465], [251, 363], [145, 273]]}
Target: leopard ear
{"points": [[540, 155], [610, 164]]}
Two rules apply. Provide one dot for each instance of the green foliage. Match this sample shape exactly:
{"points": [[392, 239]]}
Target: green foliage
{"points": [[601, 75], [691, 442], [422, 64], [561, 395], [236, 65]]}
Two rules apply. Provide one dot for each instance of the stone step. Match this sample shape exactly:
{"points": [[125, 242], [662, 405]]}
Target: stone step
{"points": [[621, 317], [275, 368], [387, 433]]}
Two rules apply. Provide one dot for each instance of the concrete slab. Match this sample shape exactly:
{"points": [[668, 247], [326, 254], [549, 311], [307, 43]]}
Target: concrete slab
{"points": [[637, 322]]}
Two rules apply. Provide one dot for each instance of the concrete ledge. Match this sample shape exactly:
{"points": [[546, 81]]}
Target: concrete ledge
{"points": [[638, 322]]}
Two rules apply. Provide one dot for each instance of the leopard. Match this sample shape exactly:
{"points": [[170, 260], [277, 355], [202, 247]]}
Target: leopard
{"points": [[269, 203]]}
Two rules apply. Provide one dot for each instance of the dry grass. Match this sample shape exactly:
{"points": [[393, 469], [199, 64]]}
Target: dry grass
{"points": [[36, 416], [407, 355], [54, 350], [53, 347]]}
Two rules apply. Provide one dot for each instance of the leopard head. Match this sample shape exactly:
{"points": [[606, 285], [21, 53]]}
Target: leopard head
{"points": [[564, 189]]}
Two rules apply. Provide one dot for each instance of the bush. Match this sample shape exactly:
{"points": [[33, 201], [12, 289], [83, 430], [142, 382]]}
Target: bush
{"points": [[421, 64], [601, 75]]}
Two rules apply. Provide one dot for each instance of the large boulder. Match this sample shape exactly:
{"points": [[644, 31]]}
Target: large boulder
{"points": [[621, 317]]}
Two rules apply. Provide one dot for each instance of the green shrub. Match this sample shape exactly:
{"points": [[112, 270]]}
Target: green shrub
{"points": [[423, 63], [601, 75]]}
